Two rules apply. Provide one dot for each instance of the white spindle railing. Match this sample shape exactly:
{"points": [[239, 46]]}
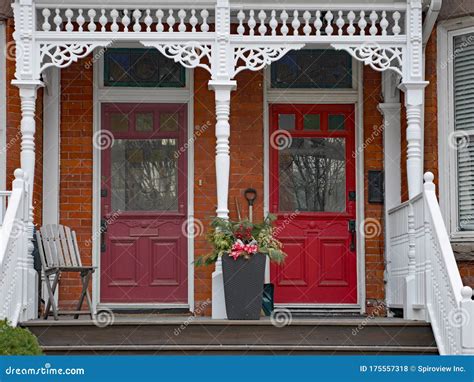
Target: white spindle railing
{"points": [[13, 250], [320, 20], [4, 196], [424, 278], [277, 20], [78, 19]]}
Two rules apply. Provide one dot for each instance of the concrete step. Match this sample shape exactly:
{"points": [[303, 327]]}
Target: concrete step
{"points": [[195, 335]]}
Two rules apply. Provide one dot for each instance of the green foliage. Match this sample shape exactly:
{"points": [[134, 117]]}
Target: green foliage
{"points": [[224, 233], [17, 341]]}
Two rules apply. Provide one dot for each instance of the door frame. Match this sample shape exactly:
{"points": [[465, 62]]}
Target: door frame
{"points": [[103, 95], [355, 97]]}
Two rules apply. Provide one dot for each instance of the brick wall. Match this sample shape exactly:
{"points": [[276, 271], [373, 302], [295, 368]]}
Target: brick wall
{"points": [[75, 201], [374, 213]]}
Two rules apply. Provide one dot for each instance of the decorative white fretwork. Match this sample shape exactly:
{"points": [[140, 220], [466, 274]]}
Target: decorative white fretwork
{"points": [[256, 58], [191, 54], [378, 57], [64, 54]]}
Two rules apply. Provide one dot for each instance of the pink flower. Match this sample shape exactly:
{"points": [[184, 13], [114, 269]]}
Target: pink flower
{"points": [[239, 248]]}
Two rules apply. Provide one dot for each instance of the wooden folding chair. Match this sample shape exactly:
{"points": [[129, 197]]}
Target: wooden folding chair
{"points": [[59, 252]]}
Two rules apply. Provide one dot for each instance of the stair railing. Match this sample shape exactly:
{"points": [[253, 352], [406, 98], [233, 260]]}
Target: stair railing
{"points": [[13, 251], [424, 278]]}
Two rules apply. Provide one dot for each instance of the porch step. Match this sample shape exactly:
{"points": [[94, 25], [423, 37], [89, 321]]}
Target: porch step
{"points": [[195, 335]]}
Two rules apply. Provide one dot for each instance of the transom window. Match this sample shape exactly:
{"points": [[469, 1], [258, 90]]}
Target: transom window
{"points": [[313, 68], [130, 67]]}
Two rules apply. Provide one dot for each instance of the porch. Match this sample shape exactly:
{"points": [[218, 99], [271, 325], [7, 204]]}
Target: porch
{"points": [[226, 39]]}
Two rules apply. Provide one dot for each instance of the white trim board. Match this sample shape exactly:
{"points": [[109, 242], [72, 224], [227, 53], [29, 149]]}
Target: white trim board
{"points": [[447, 167], [142, 95], [305, 96]]}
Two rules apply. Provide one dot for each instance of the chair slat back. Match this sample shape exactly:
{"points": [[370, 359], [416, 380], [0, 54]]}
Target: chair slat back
{"points": [[59, 246], [41, 249], [73, 247], [49, 247], [64, 246]]}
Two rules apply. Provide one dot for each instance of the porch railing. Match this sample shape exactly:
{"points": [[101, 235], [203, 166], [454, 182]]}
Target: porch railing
{"points": [[13, 251], [251, 19], [4, 197], [424, 278]]}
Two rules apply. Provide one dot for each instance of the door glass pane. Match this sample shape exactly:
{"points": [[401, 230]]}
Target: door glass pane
{"points": [[144, 175], [144, 122], [286, 121], [337, 122], [169, 122], [312, 175], [118, 122], [311, 122]]}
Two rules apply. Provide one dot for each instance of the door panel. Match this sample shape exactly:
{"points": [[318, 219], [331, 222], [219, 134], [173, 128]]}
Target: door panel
{"points": [[144, 251], [312, 173]]}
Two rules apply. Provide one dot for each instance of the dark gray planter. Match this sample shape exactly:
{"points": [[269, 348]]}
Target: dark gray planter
{"points": [[243, 286]]}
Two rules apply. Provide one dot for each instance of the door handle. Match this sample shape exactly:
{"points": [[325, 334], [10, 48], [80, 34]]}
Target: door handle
{"points": [[103, 230], [352, 230]]}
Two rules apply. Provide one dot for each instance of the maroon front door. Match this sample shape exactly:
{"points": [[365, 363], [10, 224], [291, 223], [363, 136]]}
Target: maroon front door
{"points": [[143, 245], [312, 193]]}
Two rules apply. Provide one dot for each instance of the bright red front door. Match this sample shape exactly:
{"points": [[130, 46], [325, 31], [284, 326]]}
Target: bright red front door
{"points": [[144, 249], [312, 192]]}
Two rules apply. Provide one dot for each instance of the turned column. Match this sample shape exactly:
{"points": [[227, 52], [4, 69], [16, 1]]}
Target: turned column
{"points": [[28, 92], [414, 102], [222, 91]]}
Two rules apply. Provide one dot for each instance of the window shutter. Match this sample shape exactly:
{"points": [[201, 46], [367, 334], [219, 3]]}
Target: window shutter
{"points": [[463, 139]]}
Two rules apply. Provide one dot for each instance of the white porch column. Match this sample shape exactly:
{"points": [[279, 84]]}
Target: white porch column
{"points": [[222, 91], [413, 85], [222, 84], [28, 92], [390, 109], [414, 103]]}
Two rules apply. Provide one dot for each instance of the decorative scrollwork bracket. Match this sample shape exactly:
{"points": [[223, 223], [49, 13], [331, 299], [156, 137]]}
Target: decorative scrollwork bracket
{"points": [[62, 55], [190, 54], [378, 57], [257, 57]]}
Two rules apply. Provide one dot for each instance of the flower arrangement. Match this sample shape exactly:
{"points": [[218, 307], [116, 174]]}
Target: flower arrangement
{"points": [[243, 238]]}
